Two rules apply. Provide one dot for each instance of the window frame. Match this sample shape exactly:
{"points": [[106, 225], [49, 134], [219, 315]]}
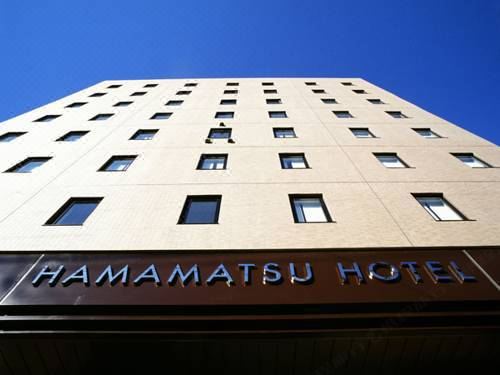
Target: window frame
{"points": [[376, 101], [25, 161], [283, 155], [114, 158], [139, 131], [437, 136], [158, 116], [47, 118], [229, 131], [97, 94], [273, 101], [230, 92], [139, 93], [76, 104], [81, 133], [123, 103], [267, 84], [284, 128], [232, 84], [446, 202], [174, 103], [16, 135], [329, 101], [222, 115], [395, 154], [400, 115], [270, 91], [183, 92], [114, 86], [318, 91], [367, 129], [228, 102], [348, 113], [107, 117], [326, 213], [272, 114], [204, 157], [470, 154], [150, 85], [199, 198], [52, 221]]}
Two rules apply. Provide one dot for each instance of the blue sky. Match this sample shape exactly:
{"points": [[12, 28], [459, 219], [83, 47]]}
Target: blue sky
{"points": [[443, 55]]}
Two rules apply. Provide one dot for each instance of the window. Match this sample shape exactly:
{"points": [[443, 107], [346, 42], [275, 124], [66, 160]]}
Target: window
{"points": [[270, 91], [183, 92], [115, 86], [319, 91], [390, 160], [375, 101], [47, 118], [212, 161], [175, 102], [362, 133], [346, 83], [277, 114], [273, 101], [228, 101], [220, 133], [343, 114], [118, 163], [76, 105], [72, 136], [101, 117], [224, 115], [396, 114], [329, 101], [74, 212], [359, 91], [232, 84], [309, 209], [267, 83], [201, 209], [230, 91], [310, 83], [284, 133], [293, 161], [438, 207], [470, 160], [138, 93], [122, 104], [161, 116], [97, 95], [10, 136], [150, 85], [28, 165], [190, 84], [426, 133], [144, 134]]}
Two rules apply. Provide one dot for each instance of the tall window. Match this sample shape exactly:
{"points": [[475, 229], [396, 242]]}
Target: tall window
{"points": [[309, 208], [72, 136], [293, 161], [470, 160], [10, 136], [28, 165], [201, 209], [390, 160], [284, 133], [362, 133], [119, 163], [426, 133], [74, 212], [438, 207], [212, 161], [144, 134]]}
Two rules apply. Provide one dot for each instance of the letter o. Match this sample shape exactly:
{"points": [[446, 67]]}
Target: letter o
{"points": [[393, 277]]}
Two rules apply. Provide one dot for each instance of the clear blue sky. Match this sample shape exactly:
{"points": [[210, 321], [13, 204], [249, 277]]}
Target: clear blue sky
{"points": [[443, 55]]}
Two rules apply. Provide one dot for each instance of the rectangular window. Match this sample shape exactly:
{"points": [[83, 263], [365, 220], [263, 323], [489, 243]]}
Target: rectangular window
{"points": [[309, 209], [293, 161], [150, 85], [329, 101], [396, 114], [230, 91], [118, 163], [284, 133], [122, 104], [97, 95], [183, 92], [470, 160], [190, 84], [144, 134], [270, 91], [101, 117], [201, 209], [267, 83], [359, 91], [277, 114], [438, 207], [273, 101], [319, 91], [310, 83], [212, 161], [28, 165], [76, 105], [138, 93], [232, 84], [72, 136], [228, 101], [343, 114], [224, 115], [10, 136], [161, 116], [75, 211], [362, 133], [375, 101], [217, 133], [426, 133], [390, 160], [115, 86], [47, 118], [174, 102], [347, 83]]}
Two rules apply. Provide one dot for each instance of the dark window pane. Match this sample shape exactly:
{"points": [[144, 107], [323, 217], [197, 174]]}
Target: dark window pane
{"points": [[72, 136], [28, 165], [201, 210], [219, 133], [144, 135], [75, 211], [118, 163], [8, 137]]}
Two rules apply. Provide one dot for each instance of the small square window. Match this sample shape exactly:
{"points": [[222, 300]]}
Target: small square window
{"points": [[97, 95], [343, 114], [426, 133], [115, 86], [309, 208], [224, 115], [190, 84], [174, 102], [138, 93], [390, 160], [277, 114], [232, 84], [267, 83], [470, 160], [273, 101], [10, 136], [101, 117], [310, 83], [150, 85], [272, 91], [201, 209], [376, 101], [362, 133], [28, 165], [183, 92], [284, 133], [217, 133], [228, 101], [72, 136], [360, 91], [396, 114], [438, 207], [319, 91], [293, 161], [122, 104], [161, 116], [74, 212], [212, 161], [76, 105], [144, 134], [347, 83], [119, 163], [329, 101], [47, 118], [230, 92]]}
